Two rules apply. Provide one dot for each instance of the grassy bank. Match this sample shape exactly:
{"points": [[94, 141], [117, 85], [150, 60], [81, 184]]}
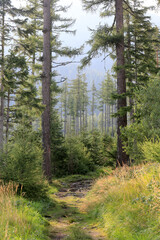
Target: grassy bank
{"points": [[19, 218], [127, 203]]}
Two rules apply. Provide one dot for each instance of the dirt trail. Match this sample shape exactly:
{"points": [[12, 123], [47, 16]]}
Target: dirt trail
{"points": [[68, 222]]}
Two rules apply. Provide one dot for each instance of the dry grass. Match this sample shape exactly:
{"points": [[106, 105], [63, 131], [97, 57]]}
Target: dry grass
{"points": [[17, 219], [127, 203]]}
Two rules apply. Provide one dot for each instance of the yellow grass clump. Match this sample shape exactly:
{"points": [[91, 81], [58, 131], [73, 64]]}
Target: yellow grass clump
{"points": [[127, 203], [18, 220]]}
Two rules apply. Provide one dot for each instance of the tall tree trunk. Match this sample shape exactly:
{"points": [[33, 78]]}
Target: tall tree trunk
{"points": [[7, 120], [86, 122], [122, 158], [46, 81], [112, 121], [102, 117], [92, 110], [129, 63], [77, 124], [115, 119], [108, 117], [105, 118], [65, 111], [80, 105], [1, 79]]}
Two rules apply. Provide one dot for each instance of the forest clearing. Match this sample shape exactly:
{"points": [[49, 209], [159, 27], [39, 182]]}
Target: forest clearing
{"points": [[79, 120]]}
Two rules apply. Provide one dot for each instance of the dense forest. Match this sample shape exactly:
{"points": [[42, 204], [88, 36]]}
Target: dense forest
{"points": [[79, 157]]}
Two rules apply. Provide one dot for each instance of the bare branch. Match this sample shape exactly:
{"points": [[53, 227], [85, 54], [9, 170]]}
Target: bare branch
{"points": [[63, 64]]}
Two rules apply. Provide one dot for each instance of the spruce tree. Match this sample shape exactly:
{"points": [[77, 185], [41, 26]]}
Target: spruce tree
{"points": [[140, 53], [5, 8], [105, 37], [46, 81]]}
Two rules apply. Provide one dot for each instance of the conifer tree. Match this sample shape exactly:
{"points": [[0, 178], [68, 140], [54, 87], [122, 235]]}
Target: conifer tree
{"points": [[139, 50], [5, 8], [31, 41], [46, 82], [93, 105], [103, 38], [106, 101]]}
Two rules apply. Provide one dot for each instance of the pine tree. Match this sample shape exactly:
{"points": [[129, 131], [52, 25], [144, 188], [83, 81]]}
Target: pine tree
{"points": [[46, 82], [106, 101], [122, 158], [93, 105], [140, 50], [5, 8], [103, 38], [78, 102]]}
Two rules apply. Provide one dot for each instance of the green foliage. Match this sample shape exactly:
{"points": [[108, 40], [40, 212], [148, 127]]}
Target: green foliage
{"points": [[149, 106], [70, 157], [135, 134], [83, 154], [58, 150], [78, 234], [151, 150], [78, 160], [20, 218], [22, 162], [100, 147], [146, 124], [126, 204]]}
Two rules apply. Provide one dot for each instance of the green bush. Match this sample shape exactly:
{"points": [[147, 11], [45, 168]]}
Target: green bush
{"points": [[82, 154], [22, 162], [77, 159], [151, 150], [146, 123], [102, 148], [135, 134]]}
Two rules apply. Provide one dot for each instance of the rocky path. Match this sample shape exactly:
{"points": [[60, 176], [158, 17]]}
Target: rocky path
{"points": [[67, 221]]}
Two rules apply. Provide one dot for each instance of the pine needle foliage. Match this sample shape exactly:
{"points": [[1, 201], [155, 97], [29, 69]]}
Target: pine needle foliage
{"points": [[23, 162]]}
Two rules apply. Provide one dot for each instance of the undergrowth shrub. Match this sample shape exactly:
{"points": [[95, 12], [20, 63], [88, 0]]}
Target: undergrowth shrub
{"points": [[146, 124], [151, 150], [135, 134], [102, 148], [22, 162], [76, 159], [84, 153]]}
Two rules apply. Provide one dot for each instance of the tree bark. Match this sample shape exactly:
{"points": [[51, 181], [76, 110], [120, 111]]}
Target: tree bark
{"points": [[93, 105], [108, 117], [1, 79], [7, 120], [122, 157], [65, 110], [46, 80], [105, 117], [112, 121], [102, 118]]}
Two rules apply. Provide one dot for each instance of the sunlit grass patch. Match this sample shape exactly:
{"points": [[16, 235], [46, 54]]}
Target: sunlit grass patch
{"points": [[18, 218], [127, 203], [78, 234]]}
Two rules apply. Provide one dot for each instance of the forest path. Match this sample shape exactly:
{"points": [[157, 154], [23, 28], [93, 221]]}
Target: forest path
{"points": [[67, 221]]}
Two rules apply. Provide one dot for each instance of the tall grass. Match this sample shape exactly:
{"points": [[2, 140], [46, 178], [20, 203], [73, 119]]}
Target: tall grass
{"points": [[18, 220], [127, 204]]}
